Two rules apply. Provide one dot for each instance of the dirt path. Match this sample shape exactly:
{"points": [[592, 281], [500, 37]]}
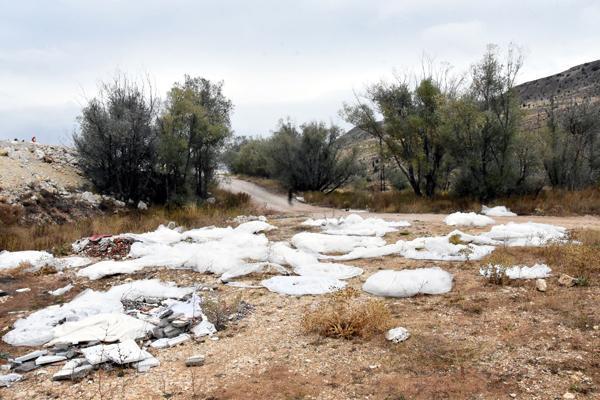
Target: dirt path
{"points": [[279, 203]]}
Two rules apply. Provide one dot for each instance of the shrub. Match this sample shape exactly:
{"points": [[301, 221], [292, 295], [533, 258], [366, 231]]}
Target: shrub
{"points": [[344, 315]]}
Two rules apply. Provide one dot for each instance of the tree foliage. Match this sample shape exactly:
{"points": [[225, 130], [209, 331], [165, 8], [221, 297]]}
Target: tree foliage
{"points": [[117, 138]]}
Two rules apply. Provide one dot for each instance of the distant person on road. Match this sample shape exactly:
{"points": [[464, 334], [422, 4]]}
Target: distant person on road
{"points": [[290, 196], [33, 139]]}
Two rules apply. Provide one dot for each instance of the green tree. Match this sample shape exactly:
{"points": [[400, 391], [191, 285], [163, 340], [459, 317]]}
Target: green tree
{"points": [[194, 129]]}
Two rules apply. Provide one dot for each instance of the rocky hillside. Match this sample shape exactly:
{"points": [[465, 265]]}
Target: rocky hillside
{"points": [[575, 83], [43, 183]]}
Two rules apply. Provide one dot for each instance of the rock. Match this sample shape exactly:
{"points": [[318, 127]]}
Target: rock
{"points": [[194, 361], [80, 372], [31, 356], [397, 335], [540, 284], [158, 332], [181, 323], [9, 379], [43, 360], [145, 365], [171, 331], [170, 342], [3, 293], [142, 206], [211, 200], [172, 225], [569, 396], [175, 316], [168, 312], [26, 367], [566, 280]]}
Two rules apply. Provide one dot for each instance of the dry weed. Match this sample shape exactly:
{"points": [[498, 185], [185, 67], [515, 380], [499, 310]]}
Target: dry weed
{"points": [[344, 315]]}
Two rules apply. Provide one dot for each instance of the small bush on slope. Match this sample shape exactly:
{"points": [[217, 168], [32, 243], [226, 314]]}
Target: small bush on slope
{"points": [[344, 315]]}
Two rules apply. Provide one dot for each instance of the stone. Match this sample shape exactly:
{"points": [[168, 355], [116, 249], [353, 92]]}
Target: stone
{"points": [[43, 360], [166, 313], [158, 332], [179, 339], [568, 396], [171, 331], [175, 316], [142, 206], [181, 323], [397, 335], [9, 379], [566, 280], [31, 356], [195, 361], [3, 293], [145, 365], [541, 285], [26, 366]]}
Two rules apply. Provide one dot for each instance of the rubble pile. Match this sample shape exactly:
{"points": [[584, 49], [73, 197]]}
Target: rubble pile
{"points": [[109, 340], [105, 246]]}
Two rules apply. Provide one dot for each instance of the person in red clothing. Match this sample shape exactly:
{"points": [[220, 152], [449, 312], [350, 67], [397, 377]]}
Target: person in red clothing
{"points": [[33, 139]]}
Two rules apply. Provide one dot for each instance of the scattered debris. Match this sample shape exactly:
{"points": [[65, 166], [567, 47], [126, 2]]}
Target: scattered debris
{"points": [[397, 335], [8, 379], [538, 271]]}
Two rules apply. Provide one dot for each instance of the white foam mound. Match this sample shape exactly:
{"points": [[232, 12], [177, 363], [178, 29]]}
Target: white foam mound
{"points": [[322, 243], [355, 225], [498, 211], [468, 219], [255, 227], [110, 327], [526, 234], [214, 256], [303, 285], [330, 270], [282, 253], [12, 259], [37, 328], [407, 283], [252, 268], [538, 271]]}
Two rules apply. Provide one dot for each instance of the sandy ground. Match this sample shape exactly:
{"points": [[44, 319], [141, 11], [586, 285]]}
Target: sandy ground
{"points": [[480, 341]]}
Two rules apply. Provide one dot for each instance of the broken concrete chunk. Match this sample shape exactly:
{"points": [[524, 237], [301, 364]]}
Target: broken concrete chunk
{"points": [[181, 323], [194, 361], [171, 331], [158, 333], [145, 365], [31, 356], [541, 285], [9, 379], [166, 342], [165, 313], [43, 360], [26, 366]]}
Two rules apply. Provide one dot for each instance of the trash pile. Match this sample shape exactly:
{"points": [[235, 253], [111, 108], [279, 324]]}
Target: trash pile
{"points": [[105, 246], [116, 327]]}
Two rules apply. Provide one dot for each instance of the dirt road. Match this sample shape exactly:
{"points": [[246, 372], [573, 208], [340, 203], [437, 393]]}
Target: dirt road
{"points": [[279, 203]]}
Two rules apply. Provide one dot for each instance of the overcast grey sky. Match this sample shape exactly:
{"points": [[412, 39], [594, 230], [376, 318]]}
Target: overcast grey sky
{"points": [[278, 58]]}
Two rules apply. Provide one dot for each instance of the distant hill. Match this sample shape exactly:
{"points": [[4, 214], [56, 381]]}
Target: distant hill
{"points": [[577, 82]]}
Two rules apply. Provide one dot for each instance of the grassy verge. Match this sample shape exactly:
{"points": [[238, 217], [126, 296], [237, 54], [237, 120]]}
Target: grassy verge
{"points": [[58, 238], [552, 202]]}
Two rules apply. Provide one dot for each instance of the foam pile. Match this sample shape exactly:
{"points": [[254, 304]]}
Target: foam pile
{"points": [[355, 225], [468, 219]]}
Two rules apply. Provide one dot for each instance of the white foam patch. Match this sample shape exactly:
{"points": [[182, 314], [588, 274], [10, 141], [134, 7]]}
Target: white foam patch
{"points": [[498, 211], [468, 219], [323, 243], [407, 283], [37, 328], [538, 271], [111, 327], [355, 225], [303, 285], [329, 270], [12, 259], [526, 234]]}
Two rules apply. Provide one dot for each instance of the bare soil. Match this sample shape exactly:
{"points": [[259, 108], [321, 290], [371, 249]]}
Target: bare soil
{"points": [[480, 341]]}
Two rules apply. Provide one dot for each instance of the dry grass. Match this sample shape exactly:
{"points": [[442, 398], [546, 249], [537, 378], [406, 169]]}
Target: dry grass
{"points": [[551, 202], [344, 315], [58, 238]]}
